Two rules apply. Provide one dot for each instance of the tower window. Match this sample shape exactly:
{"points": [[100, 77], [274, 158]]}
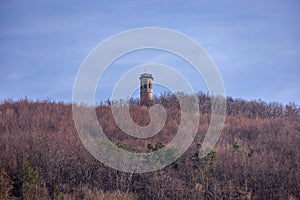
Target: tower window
{"points": [[145, 85], [150, 85]]}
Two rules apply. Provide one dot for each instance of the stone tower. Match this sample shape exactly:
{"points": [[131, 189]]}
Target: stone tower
{"points": [[146, 89]]}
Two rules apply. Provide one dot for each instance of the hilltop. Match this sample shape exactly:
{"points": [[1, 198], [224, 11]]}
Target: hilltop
{"points": [[256, 157]]}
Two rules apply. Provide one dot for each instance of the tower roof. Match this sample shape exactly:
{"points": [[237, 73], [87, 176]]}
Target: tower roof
{"points": [[146, 75]]}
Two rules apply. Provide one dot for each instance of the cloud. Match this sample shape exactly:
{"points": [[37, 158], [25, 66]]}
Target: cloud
{"points": [[255, 45]]}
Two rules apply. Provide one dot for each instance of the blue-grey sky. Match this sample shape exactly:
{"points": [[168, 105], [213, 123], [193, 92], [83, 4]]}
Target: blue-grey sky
{"points": [[255, 44]]}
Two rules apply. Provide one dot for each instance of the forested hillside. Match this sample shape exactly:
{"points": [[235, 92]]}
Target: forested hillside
{"points": [[256, 157]]}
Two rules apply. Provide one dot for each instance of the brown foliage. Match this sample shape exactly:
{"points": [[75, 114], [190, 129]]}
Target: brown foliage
{"points": [[257, 156]]}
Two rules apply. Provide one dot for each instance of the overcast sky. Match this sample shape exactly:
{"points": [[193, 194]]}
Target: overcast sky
{"points": [[255, 44]]}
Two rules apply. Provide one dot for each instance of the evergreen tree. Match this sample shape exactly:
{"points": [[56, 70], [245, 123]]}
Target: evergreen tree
{"points": [[25, 179]]}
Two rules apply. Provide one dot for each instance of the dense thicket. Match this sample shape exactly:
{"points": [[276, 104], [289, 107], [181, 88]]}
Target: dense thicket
{"points": [[256, 157]]}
